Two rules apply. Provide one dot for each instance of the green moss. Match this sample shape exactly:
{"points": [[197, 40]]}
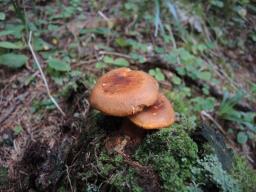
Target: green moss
{"points": [[171, 153], [186, 120], [116, 173], [126, 181], [244, 174]]}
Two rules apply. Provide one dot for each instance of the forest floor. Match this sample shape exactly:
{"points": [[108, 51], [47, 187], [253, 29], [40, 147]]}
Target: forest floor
{"points": [[202, 55]]}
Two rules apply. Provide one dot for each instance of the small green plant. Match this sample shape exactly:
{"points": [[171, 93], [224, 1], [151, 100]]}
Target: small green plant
{"points": [[226, 109], [192, 65], [120, 62], [157, 73], [18, 129], [10, 50], [201, 103], [180, 100], [244, 120]]}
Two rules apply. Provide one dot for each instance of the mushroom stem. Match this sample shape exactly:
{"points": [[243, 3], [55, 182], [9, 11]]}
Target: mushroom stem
{"points": [[131, 130], [127, 137]]}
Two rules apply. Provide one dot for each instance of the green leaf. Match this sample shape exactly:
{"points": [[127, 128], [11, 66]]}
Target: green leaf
{"points": [[52, 27], [171, 57], [13, 60], [16, 30], [42, 104], [200, 103], [59, 65], [217, 3], [108, 59], [138, 46], [10, 45], [18, 129], [159, 50], [205, 90], [2, 16], [181, 71], [242, 137], [137, 57], [176, 80], [157, 73], [100, 65], [40, 44], [185, 55], [205, 75], [121, 42], [160, 75], [152, 72], [121, 62], [6, 32]]}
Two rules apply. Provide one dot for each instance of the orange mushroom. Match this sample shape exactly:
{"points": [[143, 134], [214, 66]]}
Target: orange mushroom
{"points": [[159, 115], [123, 92]]}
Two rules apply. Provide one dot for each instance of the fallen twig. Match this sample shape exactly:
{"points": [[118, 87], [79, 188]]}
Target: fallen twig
{"points": [[103, 16], [69, 180], [115, 54], [42, 75], [204, 114]]}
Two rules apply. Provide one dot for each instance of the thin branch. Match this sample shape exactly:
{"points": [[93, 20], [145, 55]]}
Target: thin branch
{"points": [[103, 16], [69, 180], [115, 54], [42, 74], [231, 142], [208, 116]]}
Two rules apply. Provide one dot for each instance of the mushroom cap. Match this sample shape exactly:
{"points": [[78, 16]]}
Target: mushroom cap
{"points": [[159, 115], [123, 92]]}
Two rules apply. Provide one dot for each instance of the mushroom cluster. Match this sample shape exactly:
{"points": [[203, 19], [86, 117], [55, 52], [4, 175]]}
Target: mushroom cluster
{"points": [[134, 94]]}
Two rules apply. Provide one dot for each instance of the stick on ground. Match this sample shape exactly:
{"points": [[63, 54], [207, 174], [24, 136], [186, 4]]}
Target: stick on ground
{"points": [[42, 75]]}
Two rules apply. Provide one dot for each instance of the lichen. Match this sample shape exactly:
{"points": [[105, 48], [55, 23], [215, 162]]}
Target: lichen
{"points": [[209, 172]]}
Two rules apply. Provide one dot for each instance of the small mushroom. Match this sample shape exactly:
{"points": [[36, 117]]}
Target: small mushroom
{"points": [[123, 92], [159, 115]]}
